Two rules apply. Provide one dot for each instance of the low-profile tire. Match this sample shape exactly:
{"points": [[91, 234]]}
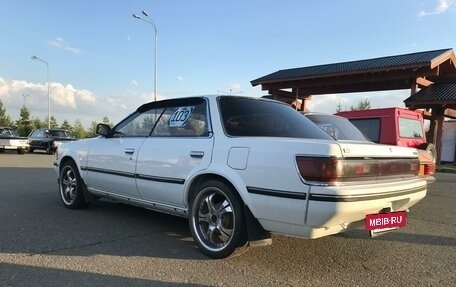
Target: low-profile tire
{"points": [[217, 219], [71, 187], [430, 148]]}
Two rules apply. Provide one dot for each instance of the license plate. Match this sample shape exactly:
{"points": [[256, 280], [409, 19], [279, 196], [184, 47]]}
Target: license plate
{"points": [[391, 220]]}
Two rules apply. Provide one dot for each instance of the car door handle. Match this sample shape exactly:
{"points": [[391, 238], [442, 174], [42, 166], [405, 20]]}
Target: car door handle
{"points": [[129, 150], [195, 153]]}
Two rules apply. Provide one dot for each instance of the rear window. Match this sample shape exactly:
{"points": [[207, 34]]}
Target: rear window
{"points": [[369, 127], [410, 128], [242, 116], [337, 127]]}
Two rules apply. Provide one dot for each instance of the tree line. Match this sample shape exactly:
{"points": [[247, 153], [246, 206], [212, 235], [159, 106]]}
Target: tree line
{"points": [[25, 124]]}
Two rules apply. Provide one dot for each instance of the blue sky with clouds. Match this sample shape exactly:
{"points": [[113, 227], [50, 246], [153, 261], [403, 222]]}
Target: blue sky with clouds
{"points": [[101, 59]]}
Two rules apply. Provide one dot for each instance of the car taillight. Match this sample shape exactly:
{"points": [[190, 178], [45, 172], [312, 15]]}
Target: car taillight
{"points": [[333, 169], [429, 169]]}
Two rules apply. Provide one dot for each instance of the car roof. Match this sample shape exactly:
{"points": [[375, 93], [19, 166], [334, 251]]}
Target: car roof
{"points": [[182, 100]]}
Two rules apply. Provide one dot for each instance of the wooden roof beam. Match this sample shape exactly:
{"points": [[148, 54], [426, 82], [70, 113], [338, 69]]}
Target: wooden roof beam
{"points": [[347, 88], [422, 82], [448, 56], [450, 113], [287, 94], [353, 79]]}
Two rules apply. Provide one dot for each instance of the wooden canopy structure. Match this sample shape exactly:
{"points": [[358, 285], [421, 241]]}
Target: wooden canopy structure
{"points": [[430, 70]]}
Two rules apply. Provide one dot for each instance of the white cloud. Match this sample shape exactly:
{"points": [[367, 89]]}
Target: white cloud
{"points": [[59, 43], [4, 89], [234, 86], [179, 78], [442, 7], [117, 103], [69, 97], [67, 102], [73, 50]]}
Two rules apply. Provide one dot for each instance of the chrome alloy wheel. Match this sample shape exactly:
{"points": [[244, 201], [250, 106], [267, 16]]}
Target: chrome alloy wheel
{"points": [[213, 218], [68, 185]]}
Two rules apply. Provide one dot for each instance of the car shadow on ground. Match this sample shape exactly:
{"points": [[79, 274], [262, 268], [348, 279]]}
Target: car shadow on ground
{"points": [[23, 275], [398, 236]]}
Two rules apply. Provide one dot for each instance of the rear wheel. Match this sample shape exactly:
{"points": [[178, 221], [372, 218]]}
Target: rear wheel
{"points": [[430, 148], [71, 186], [217, 219]]}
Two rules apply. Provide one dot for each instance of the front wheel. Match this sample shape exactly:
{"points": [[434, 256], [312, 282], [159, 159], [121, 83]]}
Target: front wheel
{"points": [[71, 186], [217, 219], [50, 150]]}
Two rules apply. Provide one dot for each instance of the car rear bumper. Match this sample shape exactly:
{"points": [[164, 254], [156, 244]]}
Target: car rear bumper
{"points": [[332, 210]]}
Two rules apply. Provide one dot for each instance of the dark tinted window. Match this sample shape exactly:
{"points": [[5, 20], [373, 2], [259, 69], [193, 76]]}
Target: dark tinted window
{"points": [[337, 127], [57, 134], [242, 116], [369, 127]]}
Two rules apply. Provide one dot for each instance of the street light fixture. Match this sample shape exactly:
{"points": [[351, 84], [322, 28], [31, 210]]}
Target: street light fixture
{"points": [[35, 58], [152, 23]]}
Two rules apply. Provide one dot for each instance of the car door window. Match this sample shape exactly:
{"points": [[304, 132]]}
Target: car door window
{"points": [[183, 121], [139, 124]]}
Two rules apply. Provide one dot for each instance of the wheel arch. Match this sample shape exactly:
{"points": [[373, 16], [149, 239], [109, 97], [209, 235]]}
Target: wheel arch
{"points": [[256, 234], [88, 197], [198, 180], [66, 159]]}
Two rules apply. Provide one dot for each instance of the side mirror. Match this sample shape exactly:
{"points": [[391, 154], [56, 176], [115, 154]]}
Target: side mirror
{"points": [[104, 130]]}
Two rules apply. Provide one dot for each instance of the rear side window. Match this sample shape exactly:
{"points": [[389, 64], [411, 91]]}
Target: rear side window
{"points": [[242, 116], [369, 127], [410, 128]]}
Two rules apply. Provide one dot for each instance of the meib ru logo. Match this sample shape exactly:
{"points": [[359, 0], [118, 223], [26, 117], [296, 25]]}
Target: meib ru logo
{"points": [[385, 220]]}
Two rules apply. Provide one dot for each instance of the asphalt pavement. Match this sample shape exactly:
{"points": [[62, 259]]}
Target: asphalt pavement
{"points": [[108, 244]]}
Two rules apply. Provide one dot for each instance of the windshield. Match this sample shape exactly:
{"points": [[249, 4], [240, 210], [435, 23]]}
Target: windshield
{"points": [[7, 132], [58, 134], [337, 127]]}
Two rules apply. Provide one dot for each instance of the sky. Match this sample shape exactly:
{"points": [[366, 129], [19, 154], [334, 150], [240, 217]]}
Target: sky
{"points": [[101, 59]]}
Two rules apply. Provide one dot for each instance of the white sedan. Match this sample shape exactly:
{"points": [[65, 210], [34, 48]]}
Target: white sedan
{"points": [[241, 168]]}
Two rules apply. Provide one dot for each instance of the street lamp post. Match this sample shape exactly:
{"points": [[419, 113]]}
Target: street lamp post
{"points": [[48, 88], [152, 23]]}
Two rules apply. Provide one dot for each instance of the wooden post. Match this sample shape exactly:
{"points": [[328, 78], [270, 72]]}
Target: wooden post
{"points": [[438, 141]]}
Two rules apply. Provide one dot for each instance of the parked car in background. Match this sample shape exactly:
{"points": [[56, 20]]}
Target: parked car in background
{"points": [[10, 140], [48, 139], [239, 169], [397, 126], [337, 127]]}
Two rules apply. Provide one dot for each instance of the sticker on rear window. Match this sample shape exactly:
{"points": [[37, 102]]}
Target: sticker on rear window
{"points": [[180, 116]]}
